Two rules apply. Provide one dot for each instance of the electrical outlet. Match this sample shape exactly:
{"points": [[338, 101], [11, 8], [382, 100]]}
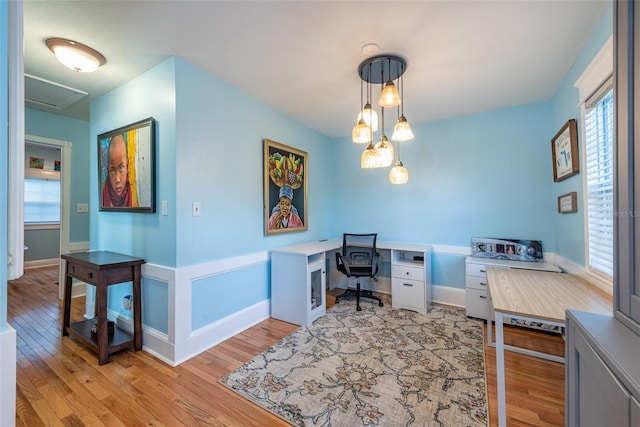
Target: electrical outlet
{"points": [[165, 208], [82, 207]]}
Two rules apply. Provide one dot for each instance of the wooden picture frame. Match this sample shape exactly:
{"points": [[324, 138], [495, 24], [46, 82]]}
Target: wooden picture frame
{"points": [[285, 188], [568, 203], [126, 168], [564, 152]]}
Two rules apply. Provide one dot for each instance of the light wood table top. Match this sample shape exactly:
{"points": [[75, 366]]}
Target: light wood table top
{"points": [[543, 295]]}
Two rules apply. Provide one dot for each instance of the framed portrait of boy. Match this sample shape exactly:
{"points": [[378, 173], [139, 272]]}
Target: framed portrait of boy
{"points": [[285, 188], [126, 168]]}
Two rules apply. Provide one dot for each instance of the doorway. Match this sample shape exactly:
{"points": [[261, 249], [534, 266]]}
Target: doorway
{"points": [[64, 148]]}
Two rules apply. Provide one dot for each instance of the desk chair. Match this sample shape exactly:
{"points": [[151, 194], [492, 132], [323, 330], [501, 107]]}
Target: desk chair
{"points": [[358, 259]]}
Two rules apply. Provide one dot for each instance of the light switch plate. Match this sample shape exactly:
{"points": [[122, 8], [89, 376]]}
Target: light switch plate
{"points": [[82, 207], [196, 209]]}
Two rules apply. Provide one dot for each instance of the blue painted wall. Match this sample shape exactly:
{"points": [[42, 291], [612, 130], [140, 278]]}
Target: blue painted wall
{"points": [[481, 175], [76, 131], [220, 132], [569, 228], [4, 146], [150, 236]]}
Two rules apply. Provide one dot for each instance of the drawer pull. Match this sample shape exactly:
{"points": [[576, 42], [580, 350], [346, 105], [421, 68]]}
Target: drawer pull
{"points": [[408, 284], [90, 275], [483, 271], [407, 273], [483, 284], [73, 268], [483, 297]]}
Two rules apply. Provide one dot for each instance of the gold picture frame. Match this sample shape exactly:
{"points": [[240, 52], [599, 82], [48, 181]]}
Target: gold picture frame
{"points": [[564, 152], [285, 188]]}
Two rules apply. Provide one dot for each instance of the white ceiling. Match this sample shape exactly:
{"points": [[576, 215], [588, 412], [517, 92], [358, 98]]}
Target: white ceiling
{"points": [[301, 57]]}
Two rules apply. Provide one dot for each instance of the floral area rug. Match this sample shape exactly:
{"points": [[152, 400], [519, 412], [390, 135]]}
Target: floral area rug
{"points": [[377, 367]]}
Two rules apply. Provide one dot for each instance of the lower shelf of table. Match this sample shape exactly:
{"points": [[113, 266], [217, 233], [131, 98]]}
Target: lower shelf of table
{"points": [[82, 331]]}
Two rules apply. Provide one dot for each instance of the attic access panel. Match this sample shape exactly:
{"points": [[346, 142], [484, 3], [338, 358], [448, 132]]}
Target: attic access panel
{"points": [[46, 93]]}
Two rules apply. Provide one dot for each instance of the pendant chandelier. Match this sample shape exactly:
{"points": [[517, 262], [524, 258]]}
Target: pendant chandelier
{"points": [[383, 70]]}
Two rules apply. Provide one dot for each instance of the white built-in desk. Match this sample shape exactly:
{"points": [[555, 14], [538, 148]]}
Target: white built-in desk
{"points": [[298, 278]]}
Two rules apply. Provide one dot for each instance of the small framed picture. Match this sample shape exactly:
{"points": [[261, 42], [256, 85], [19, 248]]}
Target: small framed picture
{"points": [[564, 152], [568, 203], [36, 162], [126, 168]]}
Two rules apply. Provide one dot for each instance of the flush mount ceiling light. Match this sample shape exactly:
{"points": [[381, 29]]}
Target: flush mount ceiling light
{"points": [[382, 70], [74, 55]]}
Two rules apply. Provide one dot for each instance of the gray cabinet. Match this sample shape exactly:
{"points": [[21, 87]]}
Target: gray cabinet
{"points": [[602, 374], [603, 352]]}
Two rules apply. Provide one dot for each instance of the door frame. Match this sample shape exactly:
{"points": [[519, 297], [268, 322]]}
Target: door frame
{"points": [[65, 197]]}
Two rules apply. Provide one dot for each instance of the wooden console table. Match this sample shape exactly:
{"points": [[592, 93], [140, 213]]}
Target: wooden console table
{"points": [[103, 269]]}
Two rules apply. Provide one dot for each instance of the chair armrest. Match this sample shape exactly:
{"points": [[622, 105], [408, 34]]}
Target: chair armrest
{"points": [[374, 265], [341, 262]]}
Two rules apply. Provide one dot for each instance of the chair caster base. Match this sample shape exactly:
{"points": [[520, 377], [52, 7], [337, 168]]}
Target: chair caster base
{"points": [[359, 308], [381, 304]]}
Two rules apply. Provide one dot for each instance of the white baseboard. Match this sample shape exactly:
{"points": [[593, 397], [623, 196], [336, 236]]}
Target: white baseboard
{"points": [[8, 377], [37, 263], [213, 334], [448, 295]]}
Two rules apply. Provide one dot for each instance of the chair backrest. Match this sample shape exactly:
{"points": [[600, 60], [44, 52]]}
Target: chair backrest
{"points": [[359, 249]]}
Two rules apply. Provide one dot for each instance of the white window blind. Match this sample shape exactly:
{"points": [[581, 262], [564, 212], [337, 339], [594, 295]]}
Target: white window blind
{"points": [[599, 175], [41, 201]]}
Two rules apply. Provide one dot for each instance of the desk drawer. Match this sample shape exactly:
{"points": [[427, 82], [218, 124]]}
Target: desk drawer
{"points": [[85, 274], [476, 303], [476, 282], [406, 272], [408, 294], [479, 270]]}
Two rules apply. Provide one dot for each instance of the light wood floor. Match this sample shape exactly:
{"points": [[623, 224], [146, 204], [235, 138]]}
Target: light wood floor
{"points": [[59, 382]]}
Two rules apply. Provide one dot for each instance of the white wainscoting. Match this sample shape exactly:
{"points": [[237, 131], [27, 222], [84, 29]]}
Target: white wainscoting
{"points": [[181, 343]]}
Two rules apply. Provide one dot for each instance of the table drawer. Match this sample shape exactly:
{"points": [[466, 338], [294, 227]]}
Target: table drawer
{"points": [[476, 270], [476, 303], [83, 273], [476, 282], [406, 272], [408, 294]]}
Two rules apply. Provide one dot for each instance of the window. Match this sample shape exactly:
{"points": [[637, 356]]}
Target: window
{"points": [[598, 122], [41, 200]]}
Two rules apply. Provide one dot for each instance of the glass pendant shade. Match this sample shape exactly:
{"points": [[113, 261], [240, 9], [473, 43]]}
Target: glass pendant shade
{"points": [[402, 130], [370, 158], [390, 97], [386, 152], [370, 117], [361, 133], [398, 174]]}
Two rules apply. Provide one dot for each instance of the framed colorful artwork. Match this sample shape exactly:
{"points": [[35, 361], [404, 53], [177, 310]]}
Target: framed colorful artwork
{"points": [[564, 152], [126, 168], [285, 188]]}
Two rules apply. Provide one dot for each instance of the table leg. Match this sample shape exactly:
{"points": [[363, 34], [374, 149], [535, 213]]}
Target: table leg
{"points": [[66, 303], [137, 309], [502, 410], [490, 316], [103, 330]]}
